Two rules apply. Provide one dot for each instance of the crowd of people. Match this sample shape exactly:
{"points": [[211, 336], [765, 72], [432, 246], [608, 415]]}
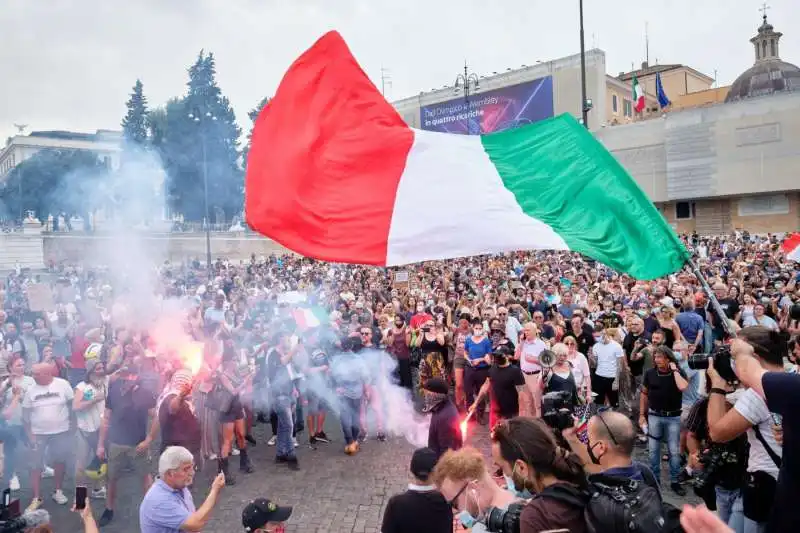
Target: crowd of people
{"points": [[570, 364]]}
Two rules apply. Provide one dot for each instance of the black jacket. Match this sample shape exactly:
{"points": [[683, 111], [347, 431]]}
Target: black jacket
{"points": [[444, 433]]}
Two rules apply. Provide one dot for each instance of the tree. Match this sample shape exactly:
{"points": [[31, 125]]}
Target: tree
{"points": [[134, 125], [56, 181], [253, 115], [201, 130]]}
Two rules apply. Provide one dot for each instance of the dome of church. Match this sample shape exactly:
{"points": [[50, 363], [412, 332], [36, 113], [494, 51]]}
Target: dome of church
{"points": [[769, 74]]}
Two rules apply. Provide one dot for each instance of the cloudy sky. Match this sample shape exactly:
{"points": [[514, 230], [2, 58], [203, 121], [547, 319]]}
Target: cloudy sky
{"points": [[70, 64]]}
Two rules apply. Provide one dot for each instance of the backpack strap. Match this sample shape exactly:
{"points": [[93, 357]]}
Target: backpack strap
{"points": [[772, 455]]}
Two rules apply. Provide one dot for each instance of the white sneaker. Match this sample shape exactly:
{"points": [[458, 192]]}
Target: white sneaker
{"points": [[59, 497], [212, 457], [99, 494], [13, 484], [234, 452], [272, 441], [47, 472], [294, 441]]}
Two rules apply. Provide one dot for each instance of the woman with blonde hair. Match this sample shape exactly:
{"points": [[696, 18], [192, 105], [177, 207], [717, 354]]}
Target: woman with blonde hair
{"points": [[580, 370], [465, 482]]}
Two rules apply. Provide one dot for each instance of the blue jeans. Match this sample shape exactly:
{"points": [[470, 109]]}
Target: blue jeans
{"points": [[284, 410], [13, 439], [665, 428], [729, 508], [350, 416]]}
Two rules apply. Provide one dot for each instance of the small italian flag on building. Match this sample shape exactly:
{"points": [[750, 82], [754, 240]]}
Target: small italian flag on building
{"points": [[335, 173], [638, 96]]}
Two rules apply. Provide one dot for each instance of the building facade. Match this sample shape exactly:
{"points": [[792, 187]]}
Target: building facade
{"points": [[106, 144], [724, 166]]}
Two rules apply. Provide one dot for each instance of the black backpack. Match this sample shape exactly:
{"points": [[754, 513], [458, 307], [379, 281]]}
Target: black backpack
{"points": [[620, 505]]}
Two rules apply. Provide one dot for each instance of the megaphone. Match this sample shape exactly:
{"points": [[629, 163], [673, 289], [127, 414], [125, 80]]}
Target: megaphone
{"points": [[547, 359]]}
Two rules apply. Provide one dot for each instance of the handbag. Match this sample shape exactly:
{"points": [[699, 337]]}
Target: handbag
{"points": [[758, 494]]}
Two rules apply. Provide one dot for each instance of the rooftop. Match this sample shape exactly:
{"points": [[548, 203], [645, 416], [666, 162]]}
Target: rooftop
{"points": [[648, 70]]}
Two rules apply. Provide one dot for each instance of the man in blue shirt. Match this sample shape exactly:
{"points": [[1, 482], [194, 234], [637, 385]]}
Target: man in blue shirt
{"points": [[691, 325], [168, 506]]}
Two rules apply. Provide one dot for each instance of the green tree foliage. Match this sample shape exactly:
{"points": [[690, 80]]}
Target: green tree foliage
{"points": [[52, 182], [134, 125], [253, 115], [201, 127]]}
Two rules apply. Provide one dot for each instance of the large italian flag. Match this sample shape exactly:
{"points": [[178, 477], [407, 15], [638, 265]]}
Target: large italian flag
{"points": [[335, 173]]}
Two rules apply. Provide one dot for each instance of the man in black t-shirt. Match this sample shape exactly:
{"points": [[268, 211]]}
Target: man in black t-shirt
{"points": [[421, 507], [505, 384], [660, 413], [635, 347]]}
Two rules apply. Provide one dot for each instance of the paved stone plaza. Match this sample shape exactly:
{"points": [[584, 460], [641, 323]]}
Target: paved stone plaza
{"points": [[331, 493]]}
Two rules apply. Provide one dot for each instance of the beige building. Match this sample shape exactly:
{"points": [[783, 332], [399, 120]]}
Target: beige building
{"points": [[107, 144], [724, 166], [611, 96]]}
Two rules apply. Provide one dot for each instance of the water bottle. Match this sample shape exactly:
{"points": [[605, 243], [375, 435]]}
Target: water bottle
{"points": [[88, 394]]}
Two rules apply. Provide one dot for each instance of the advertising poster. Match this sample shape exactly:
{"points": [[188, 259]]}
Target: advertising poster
{"points": [[491, 111]]}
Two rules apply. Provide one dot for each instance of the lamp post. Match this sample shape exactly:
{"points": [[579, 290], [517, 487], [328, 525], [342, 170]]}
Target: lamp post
{"points": [[585, 104], [469, 82], [201, 118]]}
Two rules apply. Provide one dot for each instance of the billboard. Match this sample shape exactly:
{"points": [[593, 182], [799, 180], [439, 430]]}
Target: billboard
{"points": [[490, 111]]}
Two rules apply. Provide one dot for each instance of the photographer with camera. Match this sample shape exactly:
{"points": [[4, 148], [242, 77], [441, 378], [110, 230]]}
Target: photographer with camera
{"points": [[661, 399], [466, 483], [780, 391], [529, 455], [751, 415]]}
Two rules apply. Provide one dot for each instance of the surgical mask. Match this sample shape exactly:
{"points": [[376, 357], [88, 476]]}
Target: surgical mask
{"points": [[510, 487], [466, 519], [598, 338]]}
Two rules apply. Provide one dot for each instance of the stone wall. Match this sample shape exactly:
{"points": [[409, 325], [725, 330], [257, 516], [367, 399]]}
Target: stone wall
{"points": [[21, 248], [73, 247]]}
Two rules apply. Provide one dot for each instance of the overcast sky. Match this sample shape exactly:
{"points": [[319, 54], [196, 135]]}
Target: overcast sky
{"points": [[70, 64]]}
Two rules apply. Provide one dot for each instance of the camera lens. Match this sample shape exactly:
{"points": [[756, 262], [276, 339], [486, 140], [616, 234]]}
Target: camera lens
{"points": [[698, 361]]}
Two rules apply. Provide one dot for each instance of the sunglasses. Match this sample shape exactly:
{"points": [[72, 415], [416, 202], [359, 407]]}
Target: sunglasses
{"points": [[452, 503]]}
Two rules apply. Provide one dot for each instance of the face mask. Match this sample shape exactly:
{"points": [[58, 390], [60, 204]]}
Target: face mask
{"points": [[510, 487], [642, 313], [598, 338], [592, 456], [466, 519], [398, 324]]}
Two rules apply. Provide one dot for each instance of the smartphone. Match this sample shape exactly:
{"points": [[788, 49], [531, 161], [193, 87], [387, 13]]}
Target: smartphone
{"points": [[80, 498]]}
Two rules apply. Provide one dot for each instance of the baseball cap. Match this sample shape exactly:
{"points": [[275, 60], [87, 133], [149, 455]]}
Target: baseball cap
{"points": [[422, 462], [258, 512]]}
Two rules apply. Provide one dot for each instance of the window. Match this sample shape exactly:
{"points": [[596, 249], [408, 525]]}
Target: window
{"points": [[684, 210], [627, 108], [614, 103], [772, 46], [763, 48], [107, 161], [773, 204]]}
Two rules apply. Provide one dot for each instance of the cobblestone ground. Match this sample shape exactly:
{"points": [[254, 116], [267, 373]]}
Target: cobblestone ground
{"points": [[331, 493]]}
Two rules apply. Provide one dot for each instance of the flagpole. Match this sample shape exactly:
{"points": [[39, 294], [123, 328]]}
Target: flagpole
{"points": [[715, 306], [584, 108]]}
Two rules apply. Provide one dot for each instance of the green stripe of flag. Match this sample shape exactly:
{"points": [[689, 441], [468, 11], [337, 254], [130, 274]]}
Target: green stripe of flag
{"points": [[560, 174]]}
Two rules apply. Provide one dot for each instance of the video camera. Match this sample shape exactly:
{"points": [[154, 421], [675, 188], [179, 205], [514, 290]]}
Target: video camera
{"points": [[721, 357], [557, 410], [499, 520]]}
